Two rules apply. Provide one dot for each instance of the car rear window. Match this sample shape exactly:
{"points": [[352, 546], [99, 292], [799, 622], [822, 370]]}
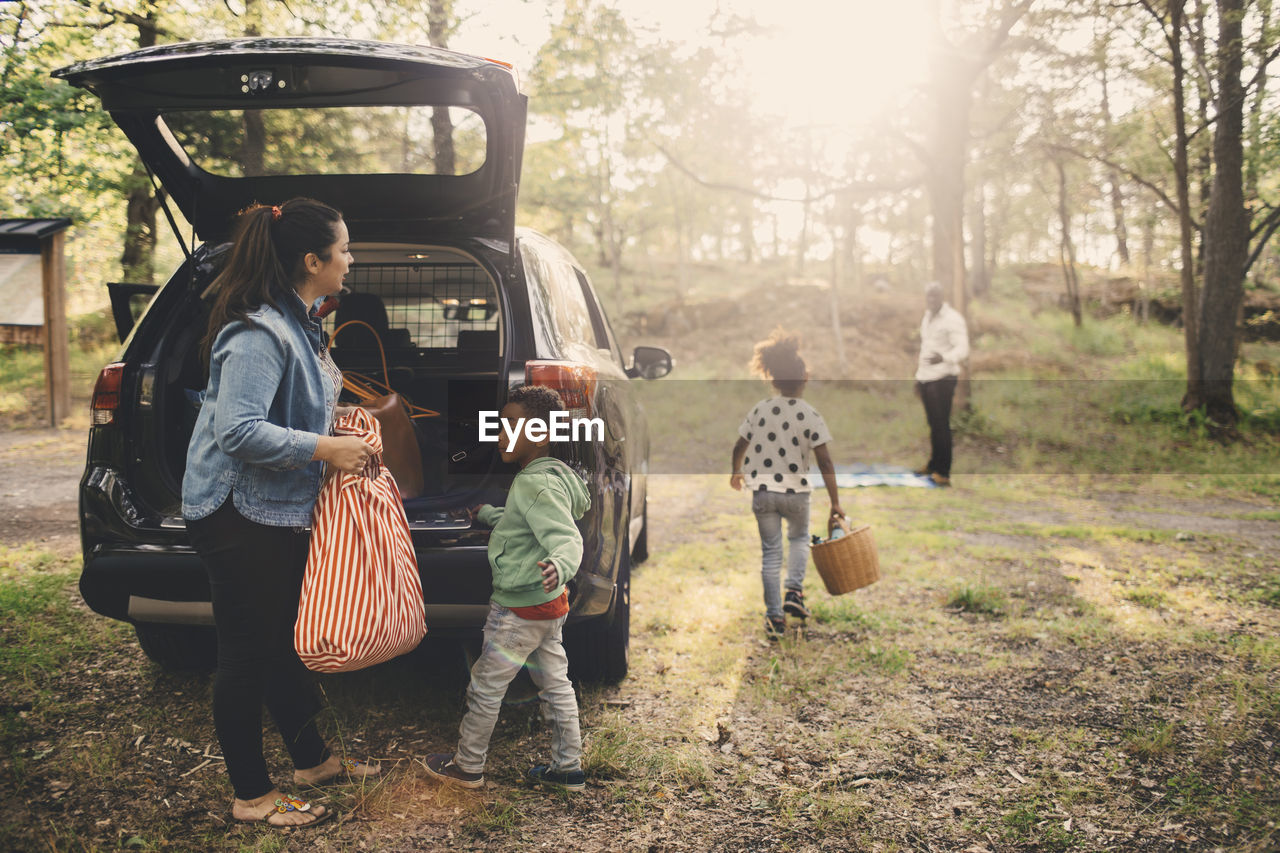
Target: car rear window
{"points": [[361, 140]]}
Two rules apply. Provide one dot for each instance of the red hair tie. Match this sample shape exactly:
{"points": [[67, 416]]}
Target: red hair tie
{"points": [[276, 212]]}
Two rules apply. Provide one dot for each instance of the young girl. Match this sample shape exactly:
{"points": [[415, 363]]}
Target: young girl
{"points": [[772, 457]]}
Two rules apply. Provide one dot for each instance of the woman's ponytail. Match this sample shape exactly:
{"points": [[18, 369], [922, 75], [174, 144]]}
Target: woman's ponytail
{"points": [[269, 245]]}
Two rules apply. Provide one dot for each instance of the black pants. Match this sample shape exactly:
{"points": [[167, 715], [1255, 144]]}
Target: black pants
{"points": [[937, 396], [255, 575]]}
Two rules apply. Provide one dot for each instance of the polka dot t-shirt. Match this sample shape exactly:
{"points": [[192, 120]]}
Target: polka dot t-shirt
{"points": [[780, 432]]}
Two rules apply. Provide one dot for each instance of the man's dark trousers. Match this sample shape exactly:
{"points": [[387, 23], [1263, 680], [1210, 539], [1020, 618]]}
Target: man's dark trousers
{"points": [[937, 396]]}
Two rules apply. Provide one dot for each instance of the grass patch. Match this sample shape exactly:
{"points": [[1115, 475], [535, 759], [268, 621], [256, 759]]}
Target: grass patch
{"points": [[889, 660], [1269, 593], [41, 633], [1147, 597], [499, 817], [617, 748], [1033, 824], [982, 599], [1152, 744], [845, 615], [22, 391]]}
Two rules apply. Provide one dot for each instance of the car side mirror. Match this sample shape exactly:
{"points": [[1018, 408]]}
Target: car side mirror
{"points": [[650, 363]]}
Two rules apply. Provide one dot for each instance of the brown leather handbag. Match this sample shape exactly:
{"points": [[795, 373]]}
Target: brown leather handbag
{"points": [[400, 451]]}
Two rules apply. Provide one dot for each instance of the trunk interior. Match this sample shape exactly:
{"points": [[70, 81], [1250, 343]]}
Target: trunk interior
{"points": [[437, 314]]}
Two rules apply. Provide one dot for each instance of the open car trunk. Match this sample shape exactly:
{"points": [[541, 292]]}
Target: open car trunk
{"points": [[436, 313], [223, 124]]}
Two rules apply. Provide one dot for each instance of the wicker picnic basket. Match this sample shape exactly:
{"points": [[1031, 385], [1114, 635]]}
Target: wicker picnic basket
{"points": [[849, 562]]}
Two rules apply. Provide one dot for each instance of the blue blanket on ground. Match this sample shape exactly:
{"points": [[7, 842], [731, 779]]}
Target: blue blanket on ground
{"points": [[861, 474]]}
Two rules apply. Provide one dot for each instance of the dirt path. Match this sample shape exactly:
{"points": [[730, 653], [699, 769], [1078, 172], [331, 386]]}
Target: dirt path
{"points": [[39, 473]]}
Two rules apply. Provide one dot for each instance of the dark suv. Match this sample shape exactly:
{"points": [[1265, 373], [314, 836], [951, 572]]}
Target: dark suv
{"points": [[421, 151]]}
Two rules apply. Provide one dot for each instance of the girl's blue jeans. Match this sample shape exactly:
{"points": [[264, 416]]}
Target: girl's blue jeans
{"points": [[770, 509]]}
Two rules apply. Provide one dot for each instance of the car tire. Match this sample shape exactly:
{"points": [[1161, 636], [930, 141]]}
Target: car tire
{"points": [[600, 649], [192, 648], [640, 552]]}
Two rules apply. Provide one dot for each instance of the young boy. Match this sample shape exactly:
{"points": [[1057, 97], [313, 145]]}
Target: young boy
{"points": [[534, 549]]}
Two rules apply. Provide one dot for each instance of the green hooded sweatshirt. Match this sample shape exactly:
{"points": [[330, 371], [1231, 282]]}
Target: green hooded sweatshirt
{"points": [[545, 500]]}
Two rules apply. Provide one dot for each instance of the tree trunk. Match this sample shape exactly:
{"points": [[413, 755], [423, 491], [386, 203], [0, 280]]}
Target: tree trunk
{"points": [[951, 85], [995, 227], [1226, 226], [1259, 100], [852, 219], [439, 24], [978, 232], [1190, 296], [838, 274], [254, 143], [1204, 99], [1149, 224], [1113, 176], [803, 248], [955, 68], [1067, 249], [138, 260], [1253, 132]]}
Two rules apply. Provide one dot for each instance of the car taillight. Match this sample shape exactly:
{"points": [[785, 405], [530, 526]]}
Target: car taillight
{"points": [[576, 383], [106, 395]]}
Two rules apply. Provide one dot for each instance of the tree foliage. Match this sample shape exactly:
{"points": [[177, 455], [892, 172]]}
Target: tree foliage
{"points": [[1046, 123]]}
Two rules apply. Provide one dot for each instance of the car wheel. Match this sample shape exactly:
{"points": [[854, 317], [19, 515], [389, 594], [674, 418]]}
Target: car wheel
{"points": [[640, 552], [181, 647], [600, 649]]}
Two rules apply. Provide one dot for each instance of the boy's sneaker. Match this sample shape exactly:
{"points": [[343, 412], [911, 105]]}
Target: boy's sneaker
{"points": [[794, 604], [441, 766], [775, 629], [572, 780]]}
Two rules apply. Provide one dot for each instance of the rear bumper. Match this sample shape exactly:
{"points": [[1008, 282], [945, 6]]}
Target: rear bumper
{"points": [[168, 584], [175, 576]]}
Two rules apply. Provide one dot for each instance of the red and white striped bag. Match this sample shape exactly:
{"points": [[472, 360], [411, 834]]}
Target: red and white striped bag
{"points": [[361, 595]]}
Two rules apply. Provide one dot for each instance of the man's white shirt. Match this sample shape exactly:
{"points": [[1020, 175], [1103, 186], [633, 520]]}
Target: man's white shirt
{"points": [[944, 333]]}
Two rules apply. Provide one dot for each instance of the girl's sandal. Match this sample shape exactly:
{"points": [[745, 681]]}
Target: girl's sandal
{"points": [[285, 804]]}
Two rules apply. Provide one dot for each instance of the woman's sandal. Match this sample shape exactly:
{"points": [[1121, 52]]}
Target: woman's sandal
{"points": [[349, 770], [285, 804]]}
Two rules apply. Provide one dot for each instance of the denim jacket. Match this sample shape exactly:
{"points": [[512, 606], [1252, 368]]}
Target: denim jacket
{"points": [[268, 401]]}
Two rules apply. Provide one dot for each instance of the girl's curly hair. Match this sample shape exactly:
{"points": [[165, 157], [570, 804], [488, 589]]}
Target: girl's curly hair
{"points": [[778, 359]]}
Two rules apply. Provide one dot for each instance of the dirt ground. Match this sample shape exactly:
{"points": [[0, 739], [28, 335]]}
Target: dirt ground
{"points": [[1119, 694], [39, 472], [934, 757]]}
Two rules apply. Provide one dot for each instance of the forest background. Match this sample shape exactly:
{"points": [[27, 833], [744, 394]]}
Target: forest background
{"points": [[877, 144], [1084, 659]]}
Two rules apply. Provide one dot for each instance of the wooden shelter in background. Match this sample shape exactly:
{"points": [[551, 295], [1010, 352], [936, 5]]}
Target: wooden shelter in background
{"points": [[33, 304]]}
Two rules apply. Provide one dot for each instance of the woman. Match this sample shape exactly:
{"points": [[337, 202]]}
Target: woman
{"points": [[254, 467]]}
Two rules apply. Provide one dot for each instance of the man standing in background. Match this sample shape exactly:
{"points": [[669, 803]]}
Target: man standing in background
{"points": [[944, 345]]}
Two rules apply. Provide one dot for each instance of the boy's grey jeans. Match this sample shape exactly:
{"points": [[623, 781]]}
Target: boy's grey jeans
{"points": [[509, 642], [770, 509]]}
